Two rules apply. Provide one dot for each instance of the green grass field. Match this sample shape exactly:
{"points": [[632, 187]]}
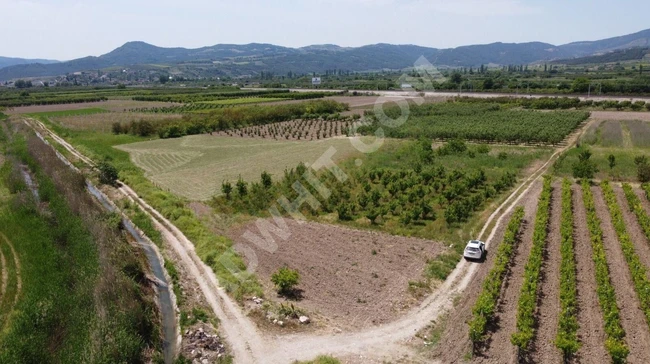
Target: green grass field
{"points": [[625, 140], [77, 112], [194, 167]]}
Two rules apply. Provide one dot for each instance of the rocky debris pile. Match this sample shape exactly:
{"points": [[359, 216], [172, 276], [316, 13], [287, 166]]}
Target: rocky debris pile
{"points": [[202, 347]]}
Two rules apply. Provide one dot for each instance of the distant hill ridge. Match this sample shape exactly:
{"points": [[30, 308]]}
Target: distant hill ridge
{"points": [[256, 57]]}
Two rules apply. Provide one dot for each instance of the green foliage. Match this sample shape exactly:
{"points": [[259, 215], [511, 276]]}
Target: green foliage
{"points": [[567, 333], [485, 306], [585, 168], [285, 279], [242, 116], [638, 270], [267, 182], [107, 173], [100, 146], [242, 187], [481, 121], [643, 168], [615, 342], [83, 299], [323, 359], [226, 189], [528, 297], [611, 159]]}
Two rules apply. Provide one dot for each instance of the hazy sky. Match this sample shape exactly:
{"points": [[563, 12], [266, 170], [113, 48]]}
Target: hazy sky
{"points": [[67, 29]]}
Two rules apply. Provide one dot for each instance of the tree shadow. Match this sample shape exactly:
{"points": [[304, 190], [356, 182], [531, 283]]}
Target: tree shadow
{"points": [[294, 294]]}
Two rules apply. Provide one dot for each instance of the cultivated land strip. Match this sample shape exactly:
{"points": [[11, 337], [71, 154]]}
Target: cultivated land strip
{"points": [[544, 350], [632, 318], [591, 332], [249, 346]]}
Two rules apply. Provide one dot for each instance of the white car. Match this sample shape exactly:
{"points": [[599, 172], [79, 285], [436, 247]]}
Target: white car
{"points": [[475, 249]]}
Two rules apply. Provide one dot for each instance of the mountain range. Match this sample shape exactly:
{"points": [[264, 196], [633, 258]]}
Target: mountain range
{"points": [[254, 58]]}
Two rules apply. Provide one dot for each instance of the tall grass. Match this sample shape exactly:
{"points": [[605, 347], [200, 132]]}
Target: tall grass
{"points": [[85, 297], [212, 249]]}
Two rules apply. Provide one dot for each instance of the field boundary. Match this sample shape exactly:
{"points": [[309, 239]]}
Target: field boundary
{"points": [[244, 338]]}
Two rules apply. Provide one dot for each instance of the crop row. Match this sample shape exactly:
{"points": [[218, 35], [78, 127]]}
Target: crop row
{"points": [[485, 306], [636, 207], [528, 296], [637, 270], [486, 122], [567, 337], [615, 342]]}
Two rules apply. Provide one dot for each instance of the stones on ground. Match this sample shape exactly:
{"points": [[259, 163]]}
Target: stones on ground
{"points": [[202, 346], [304, 320]]}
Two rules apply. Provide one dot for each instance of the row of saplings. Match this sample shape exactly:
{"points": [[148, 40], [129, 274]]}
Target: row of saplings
{"points": [[410, 196]]}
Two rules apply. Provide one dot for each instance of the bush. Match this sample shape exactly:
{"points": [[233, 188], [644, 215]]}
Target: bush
{"points": [[285, 279], [107, 173], [643, 168], [585, 168]]}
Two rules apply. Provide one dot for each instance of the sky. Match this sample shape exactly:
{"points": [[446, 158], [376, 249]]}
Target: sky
{"points": [[68, 29]]}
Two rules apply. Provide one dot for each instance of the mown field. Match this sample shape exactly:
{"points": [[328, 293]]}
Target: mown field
{"points": [[195, 166]]}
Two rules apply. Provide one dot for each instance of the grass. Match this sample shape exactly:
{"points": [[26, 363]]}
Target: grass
{"points": [[195, 167], [215, 250], [77, 112], [67, 305], [322, 359]]}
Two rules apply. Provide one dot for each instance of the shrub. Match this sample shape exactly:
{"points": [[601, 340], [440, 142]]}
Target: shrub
{"points": [[107, 173], [585, 168], [285, 279], [226, 188]]}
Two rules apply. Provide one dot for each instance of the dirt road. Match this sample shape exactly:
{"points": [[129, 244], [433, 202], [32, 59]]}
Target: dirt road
{"points": [[385, 342]]}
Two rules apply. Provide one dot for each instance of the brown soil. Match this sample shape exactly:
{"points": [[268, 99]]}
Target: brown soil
{"points": [[591, 331], [454, 344], [641, 244], [353, 278], [544, 349], [620, 115], [632, 319]]}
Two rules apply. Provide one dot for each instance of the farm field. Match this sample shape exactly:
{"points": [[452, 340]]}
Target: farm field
{"points": [[114, 105], [179, 165], [351, 279], [294, 130], [625, 139], [595, 232], [483, 121]]}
